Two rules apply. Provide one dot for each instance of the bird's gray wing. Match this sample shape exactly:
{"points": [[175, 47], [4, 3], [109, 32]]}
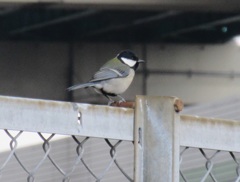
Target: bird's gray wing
{"points": [[106, 73], [81, 85]]}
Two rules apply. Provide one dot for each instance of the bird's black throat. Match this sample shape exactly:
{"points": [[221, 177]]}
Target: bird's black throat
{"points": [[135, 66]]}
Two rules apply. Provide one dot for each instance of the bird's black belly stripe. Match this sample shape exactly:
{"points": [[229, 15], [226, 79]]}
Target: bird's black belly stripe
{"points": [[108, 94]]}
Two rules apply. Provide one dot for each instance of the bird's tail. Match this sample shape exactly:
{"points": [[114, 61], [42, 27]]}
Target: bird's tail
{"points": [[84, 85]]}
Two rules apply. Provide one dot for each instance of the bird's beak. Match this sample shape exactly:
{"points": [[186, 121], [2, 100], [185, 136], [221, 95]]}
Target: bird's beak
{"points": [[141, 61]]}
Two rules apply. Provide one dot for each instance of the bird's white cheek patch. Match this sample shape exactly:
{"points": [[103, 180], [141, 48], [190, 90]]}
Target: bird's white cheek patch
{"points": [[129, 62]]}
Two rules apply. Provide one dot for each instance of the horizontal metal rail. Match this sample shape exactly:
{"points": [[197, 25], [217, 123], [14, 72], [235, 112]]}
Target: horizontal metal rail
{"points": [[210, 133], [66, 118], [191, 73]]}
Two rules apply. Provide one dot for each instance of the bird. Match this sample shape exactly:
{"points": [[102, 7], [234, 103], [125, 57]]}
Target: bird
{"points": [[114, 77]]}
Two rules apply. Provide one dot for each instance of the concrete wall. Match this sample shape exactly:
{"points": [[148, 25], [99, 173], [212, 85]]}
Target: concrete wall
{"points": [[35, 70], [40, 70], [223, 58]]}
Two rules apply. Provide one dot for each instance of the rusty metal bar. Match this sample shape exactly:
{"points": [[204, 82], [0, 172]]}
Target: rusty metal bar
{"points": [[210, 133], [156, 140], [66, 118]]}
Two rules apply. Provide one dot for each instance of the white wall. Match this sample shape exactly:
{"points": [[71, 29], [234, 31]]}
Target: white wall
{"points": [[39, 70], [224, 57]]}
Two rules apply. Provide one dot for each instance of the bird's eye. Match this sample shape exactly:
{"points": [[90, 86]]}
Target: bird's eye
{"points": [[135, 58]]}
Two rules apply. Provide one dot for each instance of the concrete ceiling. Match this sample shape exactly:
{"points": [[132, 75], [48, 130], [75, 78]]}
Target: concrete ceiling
{"points": [[171, 21]]}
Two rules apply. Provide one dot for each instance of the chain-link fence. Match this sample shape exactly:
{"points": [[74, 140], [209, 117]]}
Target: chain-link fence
{"points": [[80, 142], [60, 141], [213, 150], [65, 159], [197, 164]]}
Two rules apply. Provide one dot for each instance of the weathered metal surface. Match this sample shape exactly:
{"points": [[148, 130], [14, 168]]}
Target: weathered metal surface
{"points": [[66, 118], [210, 133], [156, 140]]}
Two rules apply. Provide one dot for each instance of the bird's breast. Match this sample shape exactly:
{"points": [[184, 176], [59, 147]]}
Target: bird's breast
{"points": [[118, 85]]}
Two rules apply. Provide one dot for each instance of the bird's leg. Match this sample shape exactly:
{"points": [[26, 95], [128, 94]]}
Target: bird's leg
{"points": [[110, 100], [122, 99]]}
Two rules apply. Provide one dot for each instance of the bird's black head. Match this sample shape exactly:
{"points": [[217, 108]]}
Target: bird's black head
{"points": [[129, 58]]}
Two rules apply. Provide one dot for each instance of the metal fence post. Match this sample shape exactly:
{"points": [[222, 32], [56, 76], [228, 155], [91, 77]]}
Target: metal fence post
{"points": [[156, 140]]}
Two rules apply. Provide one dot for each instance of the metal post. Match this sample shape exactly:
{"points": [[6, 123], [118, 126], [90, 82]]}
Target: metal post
{"points": [[156, 139]]}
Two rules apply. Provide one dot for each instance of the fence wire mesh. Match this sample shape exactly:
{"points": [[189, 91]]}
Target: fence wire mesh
{"points": [[64, 158], [204, 165]]}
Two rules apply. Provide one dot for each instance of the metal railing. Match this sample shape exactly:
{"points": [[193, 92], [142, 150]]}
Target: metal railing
{"points": [[154, 135], [215, 143], [83, 123]]}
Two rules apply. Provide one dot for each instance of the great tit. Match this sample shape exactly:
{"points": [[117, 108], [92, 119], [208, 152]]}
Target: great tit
{"points": [[114, 77]]}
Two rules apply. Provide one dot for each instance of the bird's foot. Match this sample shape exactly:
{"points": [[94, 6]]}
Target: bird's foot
{"points": [[110, 102], [122, 99]]}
